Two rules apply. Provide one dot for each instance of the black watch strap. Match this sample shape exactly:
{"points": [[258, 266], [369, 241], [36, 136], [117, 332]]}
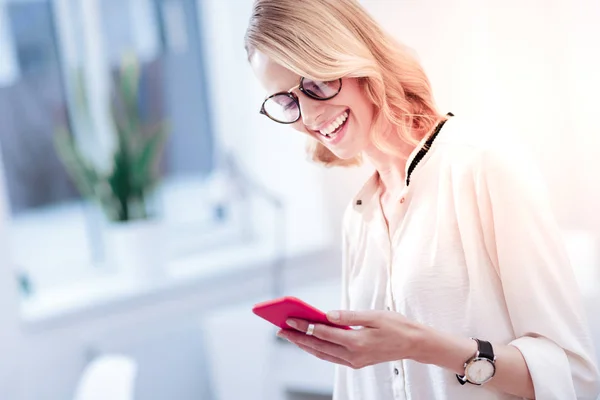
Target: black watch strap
{"points": [[485, 349]]}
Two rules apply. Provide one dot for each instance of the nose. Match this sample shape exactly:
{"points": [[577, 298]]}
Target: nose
{"points": [[311, 111]]}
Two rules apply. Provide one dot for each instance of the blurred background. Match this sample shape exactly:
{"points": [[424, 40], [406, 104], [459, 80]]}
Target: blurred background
{"points": [[145, 293]]}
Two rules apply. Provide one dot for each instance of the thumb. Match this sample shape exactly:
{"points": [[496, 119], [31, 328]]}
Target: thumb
{"points": [[352, 318]]}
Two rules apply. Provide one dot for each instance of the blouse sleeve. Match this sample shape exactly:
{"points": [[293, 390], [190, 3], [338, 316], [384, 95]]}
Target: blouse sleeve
{"points": [[540, 289]]}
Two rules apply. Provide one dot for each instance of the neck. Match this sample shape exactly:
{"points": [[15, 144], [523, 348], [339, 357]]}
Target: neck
{"points": [[392, 168]]}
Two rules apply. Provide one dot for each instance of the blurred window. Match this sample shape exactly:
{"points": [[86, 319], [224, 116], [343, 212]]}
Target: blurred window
{"points": [[45, 48]]}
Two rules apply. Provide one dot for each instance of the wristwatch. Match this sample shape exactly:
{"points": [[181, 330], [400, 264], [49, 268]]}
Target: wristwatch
{"points": [[480, 368]]}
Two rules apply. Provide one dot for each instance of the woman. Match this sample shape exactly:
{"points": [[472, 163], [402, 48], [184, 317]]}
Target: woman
{"points": [[453, 267]]}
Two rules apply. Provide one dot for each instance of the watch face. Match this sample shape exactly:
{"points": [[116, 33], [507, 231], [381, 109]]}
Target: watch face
{"points": [[480, 370]]}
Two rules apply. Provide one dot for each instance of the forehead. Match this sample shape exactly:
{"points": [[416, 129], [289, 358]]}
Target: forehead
{"points": [[273, 77]]}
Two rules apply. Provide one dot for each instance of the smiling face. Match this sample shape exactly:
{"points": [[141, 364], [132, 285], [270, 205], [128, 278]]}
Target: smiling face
{"points": [[342, 123]]}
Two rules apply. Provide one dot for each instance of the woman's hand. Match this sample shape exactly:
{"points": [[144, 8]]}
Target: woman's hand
{"points": [[383, 336], [389, 336]]}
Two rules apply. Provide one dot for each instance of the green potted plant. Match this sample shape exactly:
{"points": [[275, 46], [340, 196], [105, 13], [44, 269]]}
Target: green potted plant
{"points": [[124, 189]]}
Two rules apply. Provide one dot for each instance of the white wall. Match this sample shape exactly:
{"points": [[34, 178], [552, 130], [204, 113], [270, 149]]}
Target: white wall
{"points": [[581, 65], [534, 64]]}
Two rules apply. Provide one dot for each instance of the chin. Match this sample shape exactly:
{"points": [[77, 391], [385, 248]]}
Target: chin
{"points": [[346, 150], [345, 155]]}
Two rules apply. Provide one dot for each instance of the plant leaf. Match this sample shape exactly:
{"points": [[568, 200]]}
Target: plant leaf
{"points": [[144, 169], [83, 175]]}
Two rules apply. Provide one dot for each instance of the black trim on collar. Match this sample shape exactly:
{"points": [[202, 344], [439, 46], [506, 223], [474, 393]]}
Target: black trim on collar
{"points": [[425, 148]]}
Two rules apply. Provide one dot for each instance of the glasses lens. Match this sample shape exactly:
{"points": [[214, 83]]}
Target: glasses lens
{"points": [[282, 108], [321, 90]]}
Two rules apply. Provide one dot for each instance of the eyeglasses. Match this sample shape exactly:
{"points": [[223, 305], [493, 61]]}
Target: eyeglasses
{"points": [[284, 107]]}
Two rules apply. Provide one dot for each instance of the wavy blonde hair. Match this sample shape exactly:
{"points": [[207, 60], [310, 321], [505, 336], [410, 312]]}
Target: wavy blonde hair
{"points": [[329, 39]]}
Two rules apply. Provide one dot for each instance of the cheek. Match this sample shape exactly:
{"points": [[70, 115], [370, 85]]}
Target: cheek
{"points": [[361, 118], [360, 105], [299, 126], [365, 116]]}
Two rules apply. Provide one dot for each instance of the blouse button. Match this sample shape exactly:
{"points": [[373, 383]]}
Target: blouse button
{"points": [[402, 200], [396, 372]]}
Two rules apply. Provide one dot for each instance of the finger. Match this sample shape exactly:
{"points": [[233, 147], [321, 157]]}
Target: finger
{"points": [[328, 333], [297, 324], [314, 343], [324, 356], [354, 318]]}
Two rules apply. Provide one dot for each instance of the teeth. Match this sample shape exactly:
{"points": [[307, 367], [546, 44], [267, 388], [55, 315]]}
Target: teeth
{"points": [[334, 125]]}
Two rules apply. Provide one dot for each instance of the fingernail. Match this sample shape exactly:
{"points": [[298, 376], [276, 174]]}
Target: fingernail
{"points": [[291, 323], [333, 315]]}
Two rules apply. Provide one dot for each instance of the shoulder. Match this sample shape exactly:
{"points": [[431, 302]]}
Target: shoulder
{"points": [[482, 148], [489, 159]]}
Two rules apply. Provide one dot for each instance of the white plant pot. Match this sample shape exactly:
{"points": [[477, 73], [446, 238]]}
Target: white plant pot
{"points": [[136, 249]]}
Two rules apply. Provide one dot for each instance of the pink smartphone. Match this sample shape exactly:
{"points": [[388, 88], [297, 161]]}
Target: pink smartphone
{"points": [[277, 311]]}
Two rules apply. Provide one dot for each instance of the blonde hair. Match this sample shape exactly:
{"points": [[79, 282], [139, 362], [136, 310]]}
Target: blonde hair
{"points": [[329, 39]]}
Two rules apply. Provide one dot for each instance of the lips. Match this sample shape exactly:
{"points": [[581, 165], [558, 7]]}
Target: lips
{"points": [[337, 135], [334, 125], [329, 131]]}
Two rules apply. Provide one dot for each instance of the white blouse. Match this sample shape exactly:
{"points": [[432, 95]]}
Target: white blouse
{"points": [[478, 253]]}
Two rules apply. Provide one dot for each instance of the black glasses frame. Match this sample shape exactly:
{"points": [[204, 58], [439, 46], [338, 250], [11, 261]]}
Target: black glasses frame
{"points": [[295, 99]]}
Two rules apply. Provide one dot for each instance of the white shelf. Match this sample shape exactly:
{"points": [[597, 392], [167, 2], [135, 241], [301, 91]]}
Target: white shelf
{"points": [[101, 289]]}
